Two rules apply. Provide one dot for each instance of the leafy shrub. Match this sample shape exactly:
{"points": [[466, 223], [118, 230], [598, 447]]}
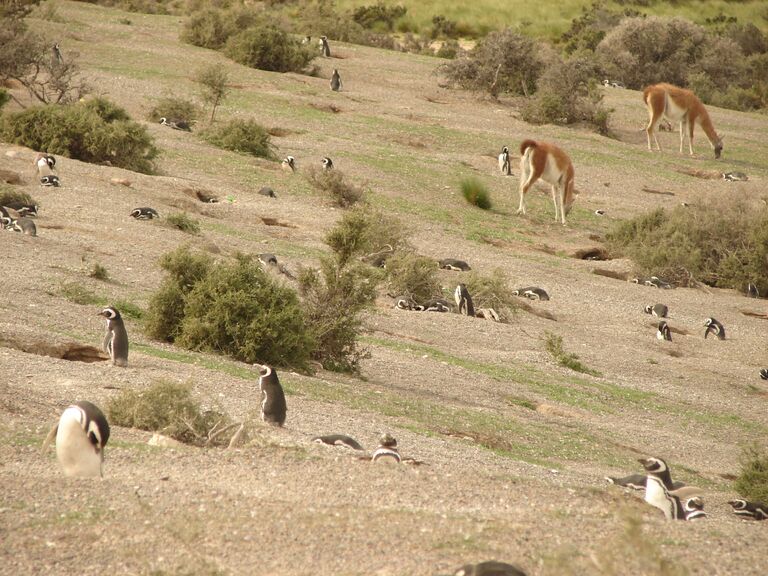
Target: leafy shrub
{"points": [[752, 482], [107, 110], [9, 195], [4, 97], [378, 15], [476, 193], [270, 49], [174, 108], [449, 49], [213, 85], [587, 30], [409, 274], [502, 62], [332, 182], [364, 230], [334, 298], [168, 408], [206, 29], [184, 222], [554, 345], [244, 136], [78, 131], [719, 244], [492, 292], [568, 92]]}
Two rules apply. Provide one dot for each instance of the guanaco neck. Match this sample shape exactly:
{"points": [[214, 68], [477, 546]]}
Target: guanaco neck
{"points": [[706, 125]]}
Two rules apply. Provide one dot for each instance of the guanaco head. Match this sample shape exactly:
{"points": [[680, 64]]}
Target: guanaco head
{"points": [[718, 148]]}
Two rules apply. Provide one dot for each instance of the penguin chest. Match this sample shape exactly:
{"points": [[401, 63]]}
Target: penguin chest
{"points": [[76, 454], [657, 496]]}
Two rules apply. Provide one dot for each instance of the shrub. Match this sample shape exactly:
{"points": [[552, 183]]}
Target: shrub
{"points": [[554, 345], [9, 195], [333, 299], [502, 62], [270, 49], [213, 85], [332, 182], [492, 292], [449, 49], [78, 131], [409, 274], [168, 408], [364, 230], [4, 97], [719, 244], [184, 222], [206, 29], [174, 108], [99, 272], [586, 31], [379, 15], [752, 482], [107, 110], [244, 136], [476, 193]]}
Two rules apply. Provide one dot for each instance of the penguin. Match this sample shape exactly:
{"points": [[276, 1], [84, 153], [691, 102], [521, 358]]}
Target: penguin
{"points": [[637, 482], [176, 124], [436, 305], [24, 210], [25, 226], [656, 282], [453, 264], [327, 163], [599, 212], [268, 259], [532, 293], [756, 510], [764, 373], [267, 191], [338, 440], [715, 328], [406, 303], [735, 177], [116, 338], [325, 48], [81, 435], [464, 300], [44, 163], [752, 291], [489, 568], [56, 57], [306, 40], [660, 491], [336, 81], [504, 164], [144, 213], [658, 310], [387, 450], [50, 180], [288, 163], [694, 508], [273, 406], [663, 333]]}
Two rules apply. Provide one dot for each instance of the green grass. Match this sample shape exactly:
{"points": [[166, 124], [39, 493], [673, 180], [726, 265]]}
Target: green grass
{"points": [[79, 294], [554, 345]]}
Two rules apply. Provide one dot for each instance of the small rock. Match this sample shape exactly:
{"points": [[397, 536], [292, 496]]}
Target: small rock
{"points": [[120, 181], [163, 441]]}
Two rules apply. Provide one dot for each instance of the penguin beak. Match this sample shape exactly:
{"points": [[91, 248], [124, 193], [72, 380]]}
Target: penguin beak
{"points": [[644, 462]]}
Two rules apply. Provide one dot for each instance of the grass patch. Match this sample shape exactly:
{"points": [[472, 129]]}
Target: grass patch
{"points": [[79, 294], [10, 195], [242, 136], [183, 222], [752, 482], [99, 272], [476, 193], [128, 309], [554, 345]]}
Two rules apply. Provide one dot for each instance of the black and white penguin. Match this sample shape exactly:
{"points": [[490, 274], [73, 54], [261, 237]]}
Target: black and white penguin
{"points": [[25, 226], [336, 81], [660, 491], [306, 40], [764, 373], [489, 568], [735, 177], [532, 293], [637, 482], [658, 310], [81, 435], [504, 164], [45, 163], [338, 440], [273, 406], [387, 450], [176, 124], [24, 210], [144, 213], [656, 282], [436, 305], [694, 508], [756, 510], [752, 291], [663, 332], [325, 48], [268, 259], [288, 163], [50, 180], [599, 212], [116, 338], [714, 327], [453, 264], [464, 300], [327, 163], [267, 191]]}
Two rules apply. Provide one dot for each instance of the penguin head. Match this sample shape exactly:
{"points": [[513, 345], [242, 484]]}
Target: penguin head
{"points": [[738, 504], [387, 440], [695, 503], [709, 321], [505, 150], [163, 121], [649, 309], [327, 162], [654, 465], [110, 313]]}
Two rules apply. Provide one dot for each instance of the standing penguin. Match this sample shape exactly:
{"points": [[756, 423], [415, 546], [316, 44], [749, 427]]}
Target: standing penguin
{"points": [[664, 333], [325, 47], [45, 163], [56, 57], [327, 163], [335, 81], [81, 435], [464, 300], [504, 164], [116, 339], [714, 327], [288, 163], [273, 407]]}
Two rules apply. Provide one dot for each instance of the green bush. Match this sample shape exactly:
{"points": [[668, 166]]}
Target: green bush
{"points": [[184, 222], [492, 292], [752, 482], [476, 193], [378, 16], [334, 299], [244, 136], [9, 195], [175, 109], [409, 274], [364, 230], [211, 27], [78, 131], [270, 49], [168, 408], [107, 110], [332, 183], [722, 244], [4, 97]]}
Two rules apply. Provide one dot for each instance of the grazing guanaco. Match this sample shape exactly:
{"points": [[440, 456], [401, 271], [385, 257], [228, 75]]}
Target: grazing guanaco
{"points": [[678, 105], [548, 162]]}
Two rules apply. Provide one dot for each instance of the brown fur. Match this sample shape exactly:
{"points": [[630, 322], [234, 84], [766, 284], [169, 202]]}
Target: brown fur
{"points": [[662, 99], [562, 180]]}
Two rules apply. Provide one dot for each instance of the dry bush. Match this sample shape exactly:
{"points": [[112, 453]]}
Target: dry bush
{"points": [[409, 274], [174, 108], [492, 291], [363, 230], [752, 482], [9, 195], [334, 184]]}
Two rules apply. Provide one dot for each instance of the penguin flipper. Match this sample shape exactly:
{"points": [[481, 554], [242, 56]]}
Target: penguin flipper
{"points": [[49, 439]]}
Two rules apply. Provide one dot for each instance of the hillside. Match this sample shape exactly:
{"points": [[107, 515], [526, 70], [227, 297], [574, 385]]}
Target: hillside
{"points": [[514, 447]]}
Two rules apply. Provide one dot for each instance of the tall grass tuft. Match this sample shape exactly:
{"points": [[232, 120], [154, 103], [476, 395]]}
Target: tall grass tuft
{"points": [[476, 193]]}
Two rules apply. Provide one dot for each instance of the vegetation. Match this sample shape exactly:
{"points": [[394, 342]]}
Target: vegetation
{"points": [[409, 274], [174, 108], [554, 345], [170, 409], [96, 131], [76, 293], [378, 16], [268, 48], [476, 193], [99, 272], [752, 482], [243, 136], [213, 86], [9, 195], [333, 183], [720, 244], [364, 230], [492, 292], [184, 222]]}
